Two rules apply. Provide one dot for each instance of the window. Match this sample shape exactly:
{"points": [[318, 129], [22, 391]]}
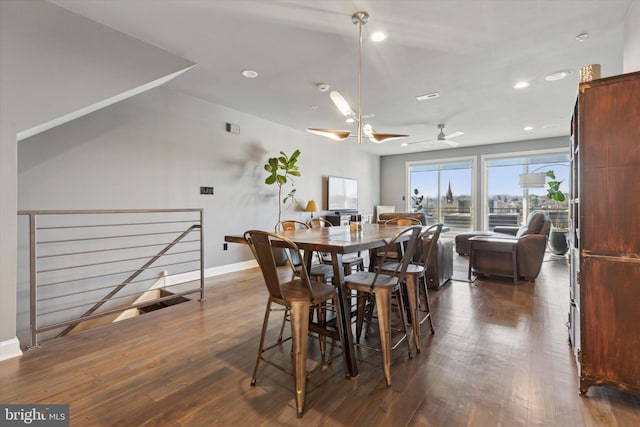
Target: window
{"points": [[443, 190], [509, 204]]}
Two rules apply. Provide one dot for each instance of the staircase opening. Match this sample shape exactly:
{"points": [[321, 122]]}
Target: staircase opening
{"points": [[163, 304]]}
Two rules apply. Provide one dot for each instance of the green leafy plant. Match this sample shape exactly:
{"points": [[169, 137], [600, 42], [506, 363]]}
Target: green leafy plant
{"points": [[418, 201], [553, 190], [281, 169]]}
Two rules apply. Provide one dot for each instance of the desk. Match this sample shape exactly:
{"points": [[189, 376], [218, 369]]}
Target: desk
{"points": [[339, 241], [494, 244]]}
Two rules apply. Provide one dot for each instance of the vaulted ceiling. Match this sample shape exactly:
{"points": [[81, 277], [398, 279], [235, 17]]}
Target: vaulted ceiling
{"points": [[470, 52]]}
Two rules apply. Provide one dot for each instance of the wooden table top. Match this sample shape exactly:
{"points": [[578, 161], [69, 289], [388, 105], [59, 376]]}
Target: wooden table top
{"points": [[339, 239]]}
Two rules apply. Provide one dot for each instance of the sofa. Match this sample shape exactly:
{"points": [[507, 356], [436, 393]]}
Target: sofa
{"points": [[530, 245], [440, 268]]}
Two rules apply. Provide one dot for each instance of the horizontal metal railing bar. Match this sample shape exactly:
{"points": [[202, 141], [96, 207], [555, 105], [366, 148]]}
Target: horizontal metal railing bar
{"points": [[104, 211], [121, 248], [101, 288], [112, 262], [120, 236], [111, 286], [122, 224], [62, 240], [109, 274], [115, 310], [84, 304]]}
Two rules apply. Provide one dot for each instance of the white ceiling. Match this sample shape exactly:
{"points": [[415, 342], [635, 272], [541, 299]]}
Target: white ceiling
{"points": [[470, 52]]}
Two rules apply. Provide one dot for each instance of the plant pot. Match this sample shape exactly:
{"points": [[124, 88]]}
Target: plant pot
{"points": [[558, 242]]}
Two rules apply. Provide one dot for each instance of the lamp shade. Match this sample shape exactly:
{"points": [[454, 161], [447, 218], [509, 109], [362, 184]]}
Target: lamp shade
{"points": [[311, 206], [532, 180]]}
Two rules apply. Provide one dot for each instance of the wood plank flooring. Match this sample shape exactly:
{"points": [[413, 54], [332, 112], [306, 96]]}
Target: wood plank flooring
{"points": [[499, 358]]}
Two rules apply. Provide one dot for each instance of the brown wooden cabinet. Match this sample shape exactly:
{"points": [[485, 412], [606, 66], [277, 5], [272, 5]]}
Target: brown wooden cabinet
{"points": [[604, 318]]}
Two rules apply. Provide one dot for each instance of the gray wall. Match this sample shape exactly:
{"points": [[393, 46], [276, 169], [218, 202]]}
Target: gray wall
{"points": [[55, 63], [393, 175], [631, 55], [154, 150]]}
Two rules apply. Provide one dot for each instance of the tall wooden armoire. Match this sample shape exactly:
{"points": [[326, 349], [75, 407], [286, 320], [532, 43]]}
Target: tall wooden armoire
{"points": [[604, 318]]}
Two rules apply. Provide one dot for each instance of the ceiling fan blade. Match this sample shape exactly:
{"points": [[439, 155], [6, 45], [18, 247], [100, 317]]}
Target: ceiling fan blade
{"points": [[337, 135], [426, 141], [382, 137], [454, 134], [451, 143]]}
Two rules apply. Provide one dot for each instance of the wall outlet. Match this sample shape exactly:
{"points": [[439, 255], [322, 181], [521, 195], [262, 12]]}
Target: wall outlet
{"points": [[232, 128], [225, 246], [206, 190]]}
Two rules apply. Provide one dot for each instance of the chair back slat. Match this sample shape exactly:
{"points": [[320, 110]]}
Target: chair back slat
{"points": [[403, 221], [409, 249], [290, 225], [427, 244], [319, 223], [261, 244]]}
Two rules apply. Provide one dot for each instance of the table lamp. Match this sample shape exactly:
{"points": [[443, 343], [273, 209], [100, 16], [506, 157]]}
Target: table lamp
{"points": [[311, 207]]}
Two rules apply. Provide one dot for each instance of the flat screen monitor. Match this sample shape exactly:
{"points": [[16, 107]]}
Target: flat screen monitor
{"points": [[342, 194]]}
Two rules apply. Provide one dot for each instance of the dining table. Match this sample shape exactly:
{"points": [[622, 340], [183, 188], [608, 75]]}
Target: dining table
{"points": [[339, 241]]}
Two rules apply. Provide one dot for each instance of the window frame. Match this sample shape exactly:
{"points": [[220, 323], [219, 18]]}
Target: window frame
{"points": [[474, 174], [484, 160]]}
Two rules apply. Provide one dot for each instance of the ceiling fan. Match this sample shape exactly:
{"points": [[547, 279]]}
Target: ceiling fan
{"points": [[364, 129], [442, 138]]}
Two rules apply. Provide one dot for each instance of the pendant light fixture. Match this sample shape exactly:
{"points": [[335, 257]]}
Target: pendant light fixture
{"points": [[359, 19]]}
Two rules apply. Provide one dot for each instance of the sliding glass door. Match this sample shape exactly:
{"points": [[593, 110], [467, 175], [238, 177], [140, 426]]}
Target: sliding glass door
{"points": [[508, 202], [443, 190]]}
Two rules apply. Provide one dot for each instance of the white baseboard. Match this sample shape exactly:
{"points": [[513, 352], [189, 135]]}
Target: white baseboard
{"points": [[10, 348], [209, 272]]}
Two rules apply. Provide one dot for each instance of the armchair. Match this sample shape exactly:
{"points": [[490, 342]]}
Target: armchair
{"points": [[510, 251]]}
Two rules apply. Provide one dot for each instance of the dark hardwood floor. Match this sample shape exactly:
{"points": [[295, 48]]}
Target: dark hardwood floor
{"points": [[499, 358]]}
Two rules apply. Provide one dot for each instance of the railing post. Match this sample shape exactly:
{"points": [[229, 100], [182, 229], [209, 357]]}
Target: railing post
{"points": [[32, 279], [202, 298]]}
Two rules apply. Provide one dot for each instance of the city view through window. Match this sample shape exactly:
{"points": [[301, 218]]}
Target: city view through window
{"points": [[444, 191]]}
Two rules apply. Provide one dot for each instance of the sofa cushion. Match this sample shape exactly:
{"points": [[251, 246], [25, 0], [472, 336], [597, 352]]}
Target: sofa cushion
{"points": [[533, 225]]}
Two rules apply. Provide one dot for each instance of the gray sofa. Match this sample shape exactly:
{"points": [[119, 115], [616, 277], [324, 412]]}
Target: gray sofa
{"points": [[531, 245]]}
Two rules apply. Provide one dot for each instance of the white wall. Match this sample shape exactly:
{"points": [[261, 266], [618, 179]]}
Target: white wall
{"points": [[631, 57]]}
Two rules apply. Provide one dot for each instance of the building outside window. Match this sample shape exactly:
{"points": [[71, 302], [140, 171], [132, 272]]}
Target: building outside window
{"points": [[507, 203], [443, 190]]}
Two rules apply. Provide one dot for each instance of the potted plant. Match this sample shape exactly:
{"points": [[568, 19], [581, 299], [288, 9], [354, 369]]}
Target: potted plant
{"points": [[281, 169], [558, 235], [418, 201]]}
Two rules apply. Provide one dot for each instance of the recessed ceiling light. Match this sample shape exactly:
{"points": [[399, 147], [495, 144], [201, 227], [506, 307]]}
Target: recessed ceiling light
{"points": [[323, 87], [582, 37], [250, 74], [404, 144], [521, 85], [558, 75], [527, 128], [378, 36], [350, 120], [427, 96]]}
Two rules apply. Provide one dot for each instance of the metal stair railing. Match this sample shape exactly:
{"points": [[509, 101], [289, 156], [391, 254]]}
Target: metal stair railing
{"points": [[73, 257]]}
